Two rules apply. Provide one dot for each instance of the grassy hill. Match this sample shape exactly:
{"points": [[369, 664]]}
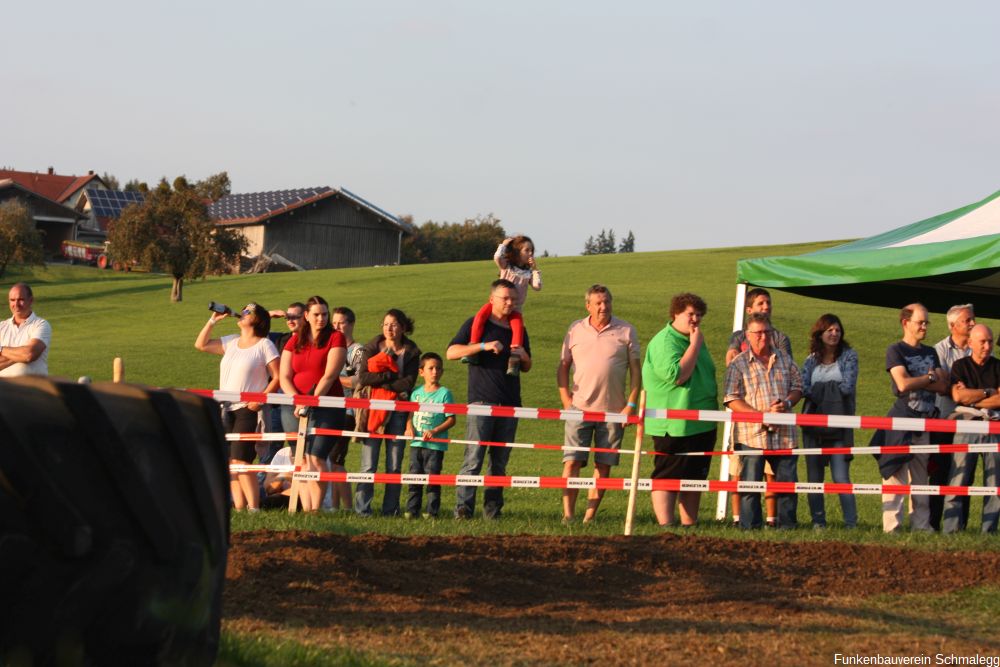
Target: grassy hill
{"points": [[97, 315]]}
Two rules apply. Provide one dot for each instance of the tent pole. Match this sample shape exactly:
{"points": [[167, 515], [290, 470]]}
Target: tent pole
{"points": [[727, 430]]}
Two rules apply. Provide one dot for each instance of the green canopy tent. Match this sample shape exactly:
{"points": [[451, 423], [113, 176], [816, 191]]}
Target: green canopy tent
{"points": [[950, 258]]}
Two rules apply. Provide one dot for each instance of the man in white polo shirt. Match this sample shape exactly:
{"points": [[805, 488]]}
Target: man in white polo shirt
{"points": [[601, 350], [24, 338]]}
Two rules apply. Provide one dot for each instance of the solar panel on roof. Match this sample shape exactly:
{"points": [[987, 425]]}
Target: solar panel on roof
{"points": [[253, 205], [109, 203]]}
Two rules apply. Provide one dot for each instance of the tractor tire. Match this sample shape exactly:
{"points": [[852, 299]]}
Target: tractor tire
{"points": [[114, 524]]}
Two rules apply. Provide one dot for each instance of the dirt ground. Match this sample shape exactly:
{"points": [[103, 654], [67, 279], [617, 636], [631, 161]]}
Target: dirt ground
{"points": [[576, 600]]}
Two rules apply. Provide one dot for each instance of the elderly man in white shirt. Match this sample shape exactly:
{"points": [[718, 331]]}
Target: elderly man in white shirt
{"points": [[25, 337]]}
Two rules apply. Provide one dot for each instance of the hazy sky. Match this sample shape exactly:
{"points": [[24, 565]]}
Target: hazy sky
{"points": [[694, 124]]}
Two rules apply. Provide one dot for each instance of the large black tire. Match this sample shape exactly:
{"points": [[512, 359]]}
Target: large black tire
{"points": [[114, 524]]}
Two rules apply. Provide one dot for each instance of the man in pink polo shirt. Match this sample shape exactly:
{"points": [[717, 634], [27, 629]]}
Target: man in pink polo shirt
{"points": [[601, 350]]}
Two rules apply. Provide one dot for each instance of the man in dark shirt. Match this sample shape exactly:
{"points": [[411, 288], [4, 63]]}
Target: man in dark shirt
{"points": [[975, 382], [489, 384], [916, 377]]}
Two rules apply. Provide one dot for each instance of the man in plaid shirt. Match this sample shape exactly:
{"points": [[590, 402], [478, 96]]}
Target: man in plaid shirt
{"points": [[764, 379]]}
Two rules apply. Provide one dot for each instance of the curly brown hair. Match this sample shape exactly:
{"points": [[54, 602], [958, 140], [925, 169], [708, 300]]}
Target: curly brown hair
{"points": [[681, 301]]}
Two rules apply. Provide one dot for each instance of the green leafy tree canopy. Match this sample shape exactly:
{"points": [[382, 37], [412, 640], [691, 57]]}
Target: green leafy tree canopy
{"points": [[476, 238], [172, 232], [20, 242]]}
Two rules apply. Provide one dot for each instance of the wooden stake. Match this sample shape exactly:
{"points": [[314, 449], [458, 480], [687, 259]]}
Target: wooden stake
{"points": [[636, 460], [118, 370], [300, 455]]}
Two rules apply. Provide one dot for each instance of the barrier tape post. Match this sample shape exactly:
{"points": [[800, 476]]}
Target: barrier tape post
{"points": [[118, 370], [300, 453], [639, 431]]}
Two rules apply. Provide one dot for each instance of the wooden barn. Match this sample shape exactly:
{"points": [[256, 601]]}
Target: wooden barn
{"points": [[314, 228]]}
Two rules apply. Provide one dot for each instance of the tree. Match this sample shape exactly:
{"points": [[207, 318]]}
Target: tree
{"points": [[609, 246], [628, 243], [135, 185], [111, 181], [20, 242], [604, 244], [171, 231], [476, 238], [215, 187]]}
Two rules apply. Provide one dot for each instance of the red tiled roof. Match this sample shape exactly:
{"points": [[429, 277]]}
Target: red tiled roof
{"points": [[51, 186]]}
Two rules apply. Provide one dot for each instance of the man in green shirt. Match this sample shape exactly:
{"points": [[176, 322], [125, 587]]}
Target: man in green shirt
{"points": [[678, 374]]}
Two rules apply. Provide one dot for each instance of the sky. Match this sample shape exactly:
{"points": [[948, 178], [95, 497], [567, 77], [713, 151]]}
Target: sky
{"points": [[692, 124]]}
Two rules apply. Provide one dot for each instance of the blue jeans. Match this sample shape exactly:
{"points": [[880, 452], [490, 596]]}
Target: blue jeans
{"points": [[752, 470], [495, 429], [364, 491], [424, 461], [963, 472], [840, 472]]}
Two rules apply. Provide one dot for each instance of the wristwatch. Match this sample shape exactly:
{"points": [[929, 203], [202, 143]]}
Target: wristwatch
{"points": [[932, 377]]}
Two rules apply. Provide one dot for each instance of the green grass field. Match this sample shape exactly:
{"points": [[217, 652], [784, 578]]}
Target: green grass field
{"points": [[97, 315]]}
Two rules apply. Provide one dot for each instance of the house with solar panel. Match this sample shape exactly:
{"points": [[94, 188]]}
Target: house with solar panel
{"points": [[53, 200], [314, 228], [102, 206]]}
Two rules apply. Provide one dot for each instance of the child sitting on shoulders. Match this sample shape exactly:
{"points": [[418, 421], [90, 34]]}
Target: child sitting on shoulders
{"points": [[515, 258], [427, 456]]}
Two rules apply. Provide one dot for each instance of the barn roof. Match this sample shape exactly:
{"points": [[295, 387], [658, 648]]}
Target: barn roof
{"points": [[254, 207]]}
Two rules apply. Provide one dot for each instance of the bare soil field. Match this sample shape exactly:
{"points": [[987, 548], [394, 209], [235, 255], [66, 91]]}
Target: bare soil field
{"points": [[667, 599]]}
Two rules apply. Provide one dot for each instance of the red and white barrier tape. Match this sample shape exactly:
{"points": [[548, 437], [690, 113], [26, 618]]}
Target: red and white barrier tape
{"points": [[474, 409], [622, 484], [455, 441], [775, 418], [985, 448], [245, 467]]}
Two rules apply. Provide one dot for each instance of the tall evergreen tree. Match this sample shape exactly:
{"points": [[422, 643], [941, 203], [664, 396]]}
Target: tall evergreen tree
{"points": [[628, 243]]}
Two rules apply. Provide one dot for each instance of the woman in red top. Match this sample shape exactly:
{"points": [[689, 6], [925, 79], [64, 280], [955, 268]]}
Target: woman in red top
{"points": [[311, 364]]}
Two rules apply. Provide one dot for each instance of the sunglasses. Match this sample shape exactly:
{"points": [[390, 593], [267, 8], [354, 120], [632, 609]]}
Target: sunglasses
{"points": [[293, 317], [251, 307]]}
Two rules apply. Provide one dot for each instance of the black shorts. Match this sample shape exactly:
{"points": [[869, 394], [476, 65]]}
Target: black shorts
{"points": [[683, 467], [243, 420]]}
